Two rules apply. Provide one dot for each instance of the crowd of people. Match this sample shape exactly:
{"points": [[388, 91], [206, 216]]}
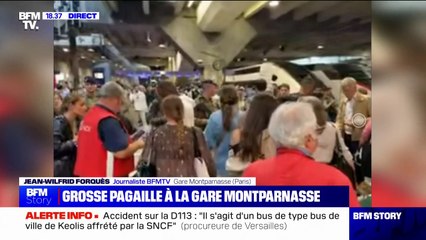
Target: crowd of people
{"points": [[281, 138]]}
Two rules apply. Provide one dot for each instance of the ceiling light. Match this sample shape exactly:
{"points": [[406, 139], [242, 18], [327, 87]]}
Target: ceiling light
{"points": [[148, 37], [93, 61], [103, 57], [65, 49], [320, 46], [265, 59], [190, 3], [83, 57], [199, 60], [162, 46], [274, 3], [90, 50]]}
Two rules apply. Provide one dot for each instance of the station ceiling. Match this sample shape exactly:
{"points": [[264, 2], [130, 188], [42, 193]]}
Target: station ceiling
{"points": [[291, 30]]}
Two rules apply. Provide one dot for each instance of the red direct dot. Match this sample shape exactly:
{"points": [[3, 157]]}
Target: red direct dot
{"points": [[96, 216]]}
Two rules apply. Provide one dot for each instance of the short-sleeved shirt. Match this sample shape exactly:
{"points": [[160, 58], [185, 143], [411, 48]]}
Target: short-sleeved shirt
{"points": [[113, 136]]}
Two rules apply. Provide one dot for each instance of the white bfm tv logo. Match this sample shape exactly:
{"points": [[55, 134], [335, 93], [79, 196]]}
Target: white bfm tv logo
{"points": [[37, 192], [38, 196], [29, 19]]}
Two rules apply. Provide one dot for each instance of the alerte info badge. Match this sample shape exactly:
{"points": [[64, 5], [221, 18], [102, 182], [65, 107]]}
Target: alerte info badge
{"points": [[85, 192], [30, 19]]}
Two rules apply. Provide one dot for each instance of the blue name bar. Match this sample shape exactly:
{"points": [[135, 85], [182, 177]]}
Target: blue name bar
{"points": [[182, 196]]}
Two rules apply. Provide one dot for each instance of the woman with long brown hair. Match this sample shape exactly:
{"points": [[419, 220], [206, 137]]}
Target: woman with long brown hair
{"points": [[252, 141], [171, 147], [64, 135], [220, 125]]}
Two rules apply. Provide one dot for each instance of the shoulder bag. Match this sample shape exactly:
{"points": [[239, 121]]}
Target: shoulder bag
{"points": [[145, 167], [199, 163], [340, 162]]}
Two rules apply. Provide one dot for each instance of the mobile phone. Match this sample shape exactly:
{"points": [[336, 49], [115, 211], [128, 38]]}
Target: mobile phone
{"points": [[138, 134]]}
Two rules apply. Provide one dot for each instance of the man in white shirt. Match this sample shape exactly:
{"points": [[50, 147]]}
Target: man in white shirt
{"points": [[139, 101], [354, 107]]}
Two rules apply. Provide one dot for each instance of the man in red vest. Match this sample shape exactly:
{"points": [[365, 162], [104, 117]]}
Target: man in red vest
{"points": [[104, 146]]}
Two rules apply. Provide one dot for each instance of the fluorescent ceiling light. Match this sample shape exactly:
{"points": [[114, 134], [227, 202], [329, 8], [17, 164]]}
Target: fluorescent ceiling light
{"points": [[274, 3], [162, 46], [65, 49], [190, 3], [90, 50], [148, 37], [320, 46], [265, 59]]}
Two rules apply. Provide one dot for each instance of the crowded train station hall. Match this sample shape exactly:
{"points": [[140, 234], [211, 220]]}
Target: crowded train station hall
{"points": [[276, 90]]}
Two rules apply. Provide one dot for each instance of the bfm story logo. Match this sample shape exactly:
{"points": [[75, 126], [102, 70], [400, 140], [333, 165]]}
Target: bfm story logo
{"points": [[38, 197]]}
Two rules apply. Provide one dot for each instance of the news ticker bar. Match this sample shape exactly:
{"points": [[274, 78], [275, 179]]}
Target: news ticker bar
{"points": [[25, 181], [182, 196], [299, 223]]}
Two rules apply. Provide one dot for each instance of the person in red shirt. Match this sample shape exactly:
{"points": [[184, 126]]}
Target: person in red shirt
{"points": [[293, 128], [104, 148]]}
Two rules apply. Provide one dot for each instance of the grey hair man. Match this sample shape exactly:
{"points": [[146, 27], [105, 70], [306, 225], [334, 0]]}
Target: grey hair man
{"points": [[293, 125], [354, 109], [112, 95], [105, 149]]}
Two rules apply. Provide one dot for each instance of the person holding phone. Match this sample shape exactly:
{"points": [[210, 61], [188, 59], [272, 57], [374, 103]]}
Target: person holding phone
{"points": [[105, 149]]}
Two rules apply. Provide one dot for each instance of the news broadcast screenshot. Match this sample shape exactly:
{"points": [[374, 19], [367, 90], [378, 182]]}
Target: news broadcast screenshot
{"points": [[213, 120]]}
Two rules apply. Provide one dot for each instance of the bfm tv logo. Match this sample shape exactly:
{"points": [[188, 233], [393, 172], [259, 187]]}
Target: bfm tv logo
{"points": [[29, 19], [38, 197]]}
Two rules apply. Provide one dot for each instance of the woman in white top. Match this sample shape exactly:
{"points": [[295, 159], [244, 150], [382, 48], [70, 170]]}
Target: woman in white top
{"points": [[327, 134]]}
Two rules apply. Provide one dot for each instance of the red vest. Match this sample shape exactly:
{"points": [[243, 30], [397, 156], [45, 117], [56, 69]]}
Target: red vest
{"points": [[6, 198], [91, 153]]}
